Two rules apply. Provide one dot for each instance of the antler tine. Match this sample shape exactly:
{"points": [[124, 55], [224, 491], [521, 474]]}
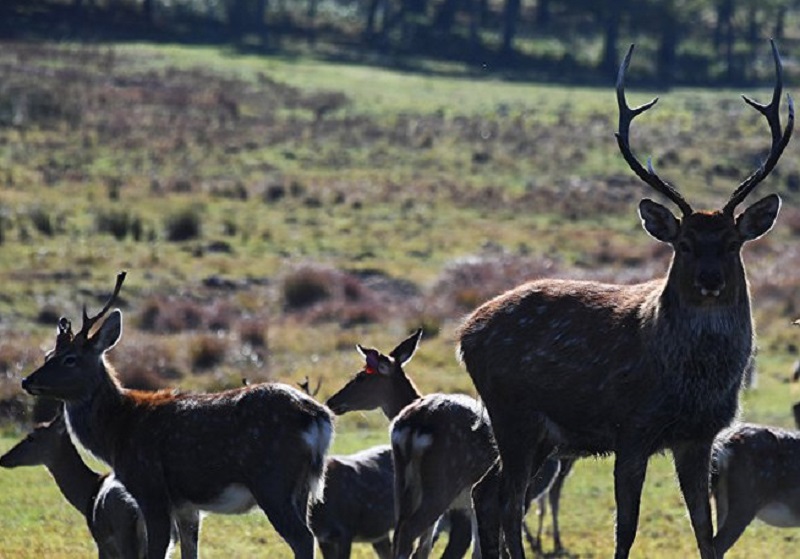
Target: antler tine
{"points": [[88, 321], [780, 138], [626, 115]]}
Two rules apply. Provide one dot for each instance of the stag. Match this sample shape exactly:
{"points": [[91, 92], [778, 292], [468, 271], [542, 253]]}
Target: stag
{"points": [[755, 474], [577, 368], [261, 445]]}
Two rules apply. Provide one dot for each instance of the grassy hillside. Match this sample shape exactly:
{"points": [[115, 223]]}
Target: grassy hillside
{"points": [[273, 212]]}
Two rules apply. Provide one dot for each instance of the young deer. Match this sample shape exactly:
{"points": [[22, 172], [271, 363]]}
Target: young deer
{"points": [[442, 444], [576, 368], [113, 517], [755, 474], [357, 504], [179, 453]]}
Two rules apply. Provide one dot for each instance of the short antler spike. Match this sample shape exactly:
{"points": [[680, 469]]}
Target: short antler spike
{"points": [[780, 138], [89, 322], [626, 116]]}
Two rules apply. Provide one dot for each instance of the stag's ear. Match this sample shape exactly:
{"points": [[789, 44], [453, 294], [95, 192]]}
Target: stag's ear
{"points": [[759, 218], [658, 221], [109, 332], [403, 353]]}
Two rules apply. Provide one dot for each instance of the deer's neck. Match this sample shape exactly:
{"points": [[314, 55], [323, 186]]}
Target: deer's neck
{"points": [[98, 420], [403, 394], [76, 481]]}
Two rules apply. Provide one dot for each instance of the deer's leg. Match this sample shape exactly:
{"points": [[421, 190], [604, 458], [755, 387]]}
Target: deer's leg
{"points": [[286, 511], [425, 545], [188, 523], [383, 548], [460, 534], [735, 524], [486, 502], [555, 499], [692, 463], [629, 474], [329, 549], [157, 518], [521, 461]]}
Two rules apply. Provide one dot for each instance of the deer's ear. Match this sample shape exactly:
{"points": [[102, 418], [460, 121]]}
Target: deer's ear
{"points": [[403, 353], [109, 332], [759, 218], [658, 221]]}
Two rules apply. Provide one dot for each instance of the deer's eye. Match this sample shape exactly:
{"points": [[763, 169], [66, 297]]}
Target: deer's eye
{"points": [[69, 361]]}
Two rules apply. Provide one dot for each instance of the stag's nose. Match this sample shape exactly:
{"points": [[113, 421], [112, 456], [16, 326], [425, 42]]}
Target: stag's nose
{"points": [[710, 283]]}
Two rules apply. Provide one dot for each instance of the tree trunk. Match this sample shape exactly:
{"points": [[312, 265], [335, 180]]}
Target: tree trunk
{"points": [[510, 16], [667, 49], [446, 15], [608, 64], [543, 12]]}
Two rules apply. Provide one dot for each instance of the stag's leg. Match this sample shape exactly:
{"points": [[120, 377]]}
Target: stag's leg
{"points": [[383, 548], [159, 525], [486, 502], [692, 462], [555, 499], [629, 473], [188, 523], [460, 534], [329, 549], [521, 458]]}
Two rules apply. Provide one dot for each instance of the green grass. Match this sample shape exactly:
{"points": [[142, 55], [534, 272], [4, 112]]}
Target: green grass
{"points": [[411, 176]]}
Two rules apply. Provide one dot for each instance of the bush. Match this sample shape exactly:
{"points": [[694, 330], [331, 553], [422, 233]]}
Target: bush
{"points": [[207, 351], [184, 225], [307, 286]]}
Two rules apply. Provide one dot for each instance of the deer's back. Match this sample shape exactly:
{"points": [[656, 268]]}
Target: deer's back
{"points": [[770, 452], [358, 501], [453, 434]]}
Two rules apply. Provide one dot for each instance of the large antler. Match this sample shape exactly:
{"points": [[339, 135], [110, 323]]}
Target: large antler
{"points": [[626, 115], [89, 322], [780, 138]]}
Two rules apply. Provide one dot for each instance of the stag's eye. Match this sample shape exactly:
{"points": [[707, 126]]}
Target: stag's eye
{"points": [[69, 361]]}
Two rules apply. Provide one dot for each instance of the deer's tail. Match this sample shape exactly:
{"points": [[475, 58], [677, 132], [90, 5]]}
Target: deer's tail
{"points": [[408, 448], [311, 483]]}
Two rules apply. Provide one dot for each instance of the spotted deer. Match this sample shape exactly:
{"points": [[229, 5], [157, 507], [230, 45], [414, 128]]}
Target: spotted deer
{"points": [[113, 517], [755, 474], [178, 454], [357, 504], [576, 368], [442, 444]]}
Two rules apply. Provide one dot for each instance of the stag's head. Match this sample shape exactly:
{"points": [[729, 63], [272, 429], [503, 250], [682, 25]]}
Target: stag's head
{"points": [[75, 368], [707, 245], [380, 378]]}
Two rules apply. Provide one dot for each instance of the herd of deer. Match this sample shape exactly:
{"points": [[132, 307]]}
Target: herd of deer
{"points": [[564, 369]]}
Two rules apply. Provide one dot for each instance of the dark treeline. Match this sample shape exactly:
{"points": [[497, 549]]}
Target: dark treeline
{"points": [[708, 42]]}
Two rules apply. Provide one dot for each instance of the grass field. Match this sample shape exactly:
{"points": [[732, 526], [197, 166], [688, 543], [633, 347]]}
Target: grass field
{"points": [[274, 212]]}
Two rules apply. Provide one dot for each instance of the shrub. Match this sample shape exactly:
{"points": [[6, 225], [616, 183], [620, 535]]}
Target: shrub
{"points": [[117, 223], [183, 225], [207, 351], [307, 286]]}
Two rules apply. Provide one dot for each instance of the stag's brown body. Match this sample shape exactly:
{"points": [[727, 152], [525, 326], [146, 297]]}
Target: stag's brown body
{"points": [[178, 454], [579, 368]]}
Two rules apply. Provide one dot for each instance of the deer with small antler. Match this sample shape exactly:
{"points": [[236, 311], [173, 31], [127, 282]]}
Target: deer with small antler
{"points": [[178, 454], [577, 368]]}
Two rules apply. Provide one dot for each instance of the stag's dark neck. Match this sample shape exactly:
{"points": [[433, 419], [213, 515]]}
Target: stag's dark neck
{"points": [[403, 394], [77, 482], [96, 420]]}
